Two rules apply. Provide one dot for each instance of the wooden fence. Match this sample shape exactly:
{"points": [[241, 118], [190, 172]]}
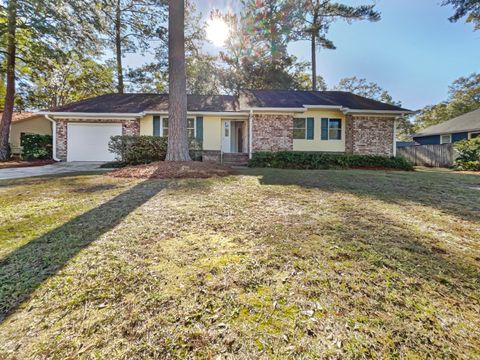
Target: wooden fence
{"points": [[429, 155]]}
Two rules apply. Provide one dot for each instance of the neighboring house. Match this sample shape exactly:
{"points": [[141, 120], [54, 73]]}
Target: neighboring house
{"points": [[257, 120], [460, 128], [403, 144], [27, 123]]}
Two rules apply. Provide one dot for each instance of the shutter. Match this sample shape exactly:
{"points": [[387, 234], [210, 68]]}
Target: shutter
{"points": [[310, 128], [324, 129], [199, 128], [156, 126]]}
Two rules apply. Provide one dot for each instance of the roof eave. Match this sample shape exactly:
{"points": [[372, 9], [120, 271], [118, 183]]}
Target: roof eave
{"points": [[82, 115]]}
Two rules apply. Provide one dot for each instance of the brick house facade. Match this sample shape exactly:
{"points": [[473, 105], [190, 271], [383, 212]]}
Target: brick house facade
{"points": [[272, 132], [369, 135]]}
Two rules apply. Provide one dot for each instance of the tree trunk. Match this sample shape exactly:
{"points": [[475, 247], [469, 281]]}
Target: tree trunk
{"points": [[177, 103], [10, 91], [118, 47], [314, 61]]}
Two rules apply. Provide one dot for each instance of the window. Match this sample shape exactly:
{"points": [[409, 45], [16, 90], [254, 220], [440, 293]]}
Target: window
{"points": [[164, 127], [190, 127], [445, 139], [474, 135], [299, 129], [331, 129], [335, 129]]}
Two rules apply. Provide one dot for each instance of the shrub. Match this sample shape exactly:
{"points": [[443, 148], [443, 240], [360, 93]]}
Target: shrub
{"points": [[35, 146], [317, 160], [134, 150], [468, 154]]}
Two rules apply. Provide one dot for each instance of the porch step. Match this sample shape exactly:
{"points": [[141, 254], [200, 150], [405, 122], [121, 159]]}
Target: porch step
{"points": [[235, 159]]}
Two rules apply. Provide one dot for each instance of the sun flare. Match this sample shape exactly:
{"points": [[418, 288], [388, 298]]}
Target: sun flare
{"points": [[217, 31]]}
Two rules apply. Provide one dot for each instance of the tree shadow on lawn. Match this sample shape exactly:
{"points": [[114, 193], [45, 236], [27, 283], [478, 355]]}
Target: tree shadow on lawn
{"points": [[452, 193], [24, 269], [374, 267]]}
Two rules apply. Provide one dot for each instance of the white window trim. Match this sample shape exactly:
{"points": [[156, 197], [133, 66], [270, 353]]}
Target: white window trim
{"points": [[166, 117], [305, 123], [328, 128], [441, 139], [473, 133]]}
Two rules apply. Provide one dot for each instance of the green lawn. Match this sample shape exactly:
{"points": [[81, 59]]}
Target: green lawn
{"points": [[266, 263]]}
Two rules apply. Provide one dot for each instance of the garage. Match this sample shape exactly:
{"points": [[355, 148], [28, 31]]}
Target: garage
{"points": [[89, 141]]}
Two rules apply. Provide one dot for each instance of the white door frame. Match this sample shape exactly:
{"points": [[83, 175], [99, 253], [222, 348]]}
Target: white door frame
{"points": [[226, 143]]}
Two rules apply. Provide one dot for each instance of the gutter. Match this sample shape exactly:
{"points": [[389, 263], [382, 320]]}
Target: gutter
{"points": [[270, 109], [54, 137], [79, 115]]}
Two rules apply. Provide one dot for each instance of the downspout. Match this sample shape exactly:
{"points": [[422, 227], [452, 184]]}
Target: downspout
{"points": [[250, 134], [54, 138], [395, 137]]}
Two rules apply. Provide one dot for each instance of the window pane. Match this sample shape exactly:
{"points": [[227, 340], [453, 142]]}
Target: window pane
{"points": [[446, 139], [335, 129], [165, 132], [299, 129], [473, 136], [191, 133], [299, 123], [299, 134], [165, 123], [190, 123]]}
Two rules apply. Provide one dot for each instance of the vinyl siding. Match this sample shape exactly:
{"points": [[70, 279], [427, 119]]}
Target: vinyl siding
{"points": [[435, 139], [37, 125], [317, 144]]}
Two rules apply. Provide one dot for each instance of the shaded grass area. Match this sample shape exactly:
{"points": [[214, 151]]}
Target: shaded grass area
{"points": [[267, 263]]}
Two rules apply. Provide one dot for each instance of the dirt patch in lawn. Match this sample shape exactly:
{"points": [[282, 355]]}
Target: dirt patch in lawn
{"points": [[23, 163], [173, 170]]}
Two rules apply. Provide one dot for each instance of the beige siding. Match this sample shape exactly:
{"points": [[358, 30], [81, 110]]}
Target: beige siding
{"points": [[146, 125], [211, 130], [36, 125], [317, 144]]}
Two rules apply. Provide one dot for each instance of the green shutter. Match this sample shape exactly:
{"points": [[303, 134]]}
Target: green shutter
{"points": [[199, 128], [324, 129], [156, 126], [310, 128]]}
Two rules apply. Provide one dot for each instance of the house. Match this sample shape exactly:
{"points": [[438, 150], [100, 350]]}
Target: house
{"points": [[257, 120], [26, 123], [464, 127]]}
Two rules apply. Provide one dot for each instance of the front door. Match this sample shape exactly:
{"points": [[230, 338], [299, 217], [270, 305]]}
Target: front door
{"points": [[226, 136]]}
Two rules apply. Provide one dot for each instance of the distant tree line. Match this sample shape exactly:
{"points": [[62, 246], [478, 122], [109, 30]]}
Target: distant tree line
{"points": [[58, 51]]}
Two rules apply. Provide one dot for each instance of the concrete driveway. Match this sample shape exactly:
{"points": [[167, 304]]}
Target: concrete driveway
{"points": [[58, 168]]}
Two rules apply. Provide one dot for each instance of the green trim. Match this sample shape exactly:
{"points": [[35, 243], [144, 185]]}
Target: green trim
{"points": [[156, 126], [310, 128], [324, 128], [199, 128]]}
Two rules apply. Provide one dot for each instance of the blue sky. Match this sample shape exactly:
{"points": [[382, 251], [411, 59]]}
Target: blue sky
{"points": [[414, 52]]}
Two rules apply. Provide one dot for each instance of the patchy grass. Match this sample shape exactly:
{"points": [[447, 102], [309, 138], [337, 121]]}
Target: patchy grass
{"points": [[266, 263]]}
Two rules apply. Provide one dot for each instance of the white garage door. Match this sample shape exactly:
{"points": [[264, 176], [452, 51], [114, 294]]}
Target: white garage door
{"points": [[89, 141]]}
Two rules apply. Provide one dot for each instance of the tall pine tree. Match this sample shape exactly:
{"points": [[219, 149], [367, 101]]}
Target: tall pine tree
{"points": [[177, 149], [313, 20]]}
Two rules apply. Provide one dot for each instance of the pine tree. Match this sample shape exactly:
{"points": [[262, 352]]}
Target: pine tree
{"points": [[313, 20], [177, 104]]}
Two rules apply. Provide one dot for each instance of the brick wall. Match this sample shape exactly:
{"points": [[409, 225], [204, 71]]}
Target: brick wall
{"points": [[369, 135], [129, 127], [272, 132]]}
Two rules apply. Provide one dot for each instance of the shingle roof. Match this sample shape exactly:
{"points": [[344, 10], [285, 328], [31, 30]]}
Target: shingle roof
{"points": [[137, 103], [296, 99], [463, 123], [20, 116]]}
